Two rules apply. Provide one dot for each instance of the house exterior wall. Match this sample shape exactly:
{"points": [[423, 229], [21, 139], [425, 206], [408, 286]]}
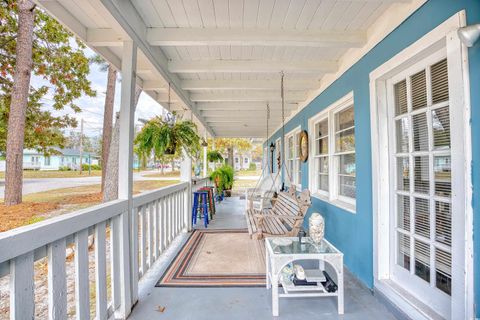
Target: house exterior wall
{"points": [[353, 233]]}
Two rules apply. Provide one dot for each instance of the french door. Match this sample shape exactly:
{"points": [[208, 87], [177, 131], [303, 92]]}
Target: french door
{"points": [[420, 153]]}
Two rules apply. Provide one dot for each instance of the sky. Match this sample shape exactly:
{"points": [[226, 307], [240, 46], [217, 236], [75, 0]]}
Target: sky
{"points": [[92, 107]]}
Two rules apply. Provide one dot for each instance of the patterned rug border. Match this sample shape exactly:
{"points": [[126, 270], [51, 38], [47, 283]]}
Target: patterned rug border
{"points": [[176, 267]]}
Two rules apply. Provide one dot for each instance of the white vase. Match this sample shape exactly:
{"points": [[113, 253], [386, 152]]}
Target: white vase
{"points": [[316, 227]]}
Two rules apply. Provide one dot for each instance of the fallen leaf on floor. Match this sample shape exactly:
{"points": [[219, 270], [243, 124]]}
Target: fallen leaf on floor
{"points": [[160, 308], [209, 252]]}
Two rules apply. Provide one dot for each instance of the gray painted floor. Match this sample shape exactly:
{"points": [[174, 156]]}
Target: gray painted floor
{"points": [[244, 303]]}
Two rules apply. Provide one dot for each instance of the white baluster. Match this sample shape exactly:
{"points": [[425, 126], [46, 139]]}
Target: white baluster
{"points": [[82, 291], [22, 305], [57, 280], [100, 271]]}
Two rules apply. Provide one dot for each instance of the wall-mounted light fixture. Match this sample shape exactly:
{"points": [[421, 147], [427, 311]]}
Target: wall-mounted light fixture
{"points": [[469, 34]]}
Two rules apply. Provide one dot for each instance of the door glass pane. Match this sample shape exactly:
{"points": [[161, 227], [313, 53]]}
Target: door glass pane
{"points": [[403, 257], [441, 128], [347, 173], [419, 90], [443, 222], [400, 89], [439, 75], [403, 174], [420, 132], [422, 260], [322, 164], [443, 176], [403, 210], [421, 174], [422, 217], [402, 135], [443, 275]]}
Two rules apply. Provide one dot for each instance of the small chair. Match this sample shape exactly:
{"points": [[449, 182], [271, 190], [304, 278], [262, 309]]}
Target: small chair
{"points": [[200, 202]]}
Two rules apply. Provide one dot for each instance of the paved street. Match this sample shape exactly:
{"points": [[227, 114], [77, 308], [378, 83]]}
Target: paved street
{"points": [[45, 184]]}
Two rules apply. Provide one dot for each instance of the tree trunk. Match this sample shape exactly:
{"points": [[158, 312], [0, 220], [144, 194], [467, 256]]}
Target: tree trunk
{"points": [[231, 161], [19, 102], [107, 120], [110, 192]]}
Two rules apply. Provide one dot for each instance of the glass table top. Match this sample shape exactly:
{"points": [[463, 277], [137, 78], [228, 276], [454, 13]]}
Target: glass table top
{"points": [[295, 247]]}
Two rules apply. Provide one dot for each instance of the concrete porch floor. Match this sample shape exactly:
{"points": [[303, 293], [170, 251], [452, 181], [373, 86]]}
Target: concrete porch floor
{"points": [[244, 303]]}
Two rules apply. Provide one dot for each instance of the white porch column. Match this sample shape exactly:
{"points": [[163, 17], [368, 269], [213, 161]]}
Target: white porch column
{"points": [[128, 274], [186, 176], [205, 155]]}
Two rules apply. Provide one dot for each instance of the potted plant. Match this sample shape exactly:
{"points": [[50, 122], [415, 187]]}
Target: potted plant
{"points": [[223, 179], [168, 137]]}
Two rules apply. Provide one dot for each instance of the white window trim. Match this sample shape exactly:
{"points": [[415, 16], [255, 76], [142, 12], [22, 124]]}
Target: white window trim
{"points": [[443, 37], [296, 157], [332, 197]]}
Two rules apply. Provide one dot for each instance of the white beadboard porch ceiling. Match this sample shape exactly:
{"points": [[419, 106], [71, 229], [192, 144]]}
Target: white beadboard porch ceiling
{"points": [[223, 58]]}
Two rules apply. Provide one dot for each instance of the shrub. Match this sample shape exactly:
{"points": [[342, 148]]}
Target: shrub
{"points": [[223, 177], [64, 168], [93, 167], [252, 167]]}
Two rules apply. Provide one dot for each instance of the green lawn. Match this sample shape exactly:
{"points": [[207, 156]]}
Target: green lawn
{"points": [[243, 173]]}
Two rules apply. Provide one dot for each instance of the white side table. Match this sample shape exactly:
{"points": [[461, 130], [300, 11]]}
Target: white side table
{"points": [[279, 256]]}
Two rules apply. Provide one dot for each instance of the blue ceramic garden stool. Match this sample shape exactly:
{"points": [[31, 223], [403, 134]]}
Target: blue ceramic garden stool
{"points": [[200, 202]]}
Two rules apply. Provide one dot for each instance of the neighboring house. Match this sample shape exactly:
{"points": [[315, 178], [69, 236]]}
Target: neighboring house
{"points": [[242, 161], [35, 160]]}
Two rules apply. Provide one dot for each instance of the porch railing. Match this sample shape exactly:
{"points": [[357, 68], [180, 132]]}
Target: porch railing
{"points": [[156, 219]]}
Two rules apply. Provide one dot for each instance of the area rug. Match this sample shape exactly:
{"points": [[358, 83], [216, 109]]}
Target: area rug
{"points": [[217, 258]]}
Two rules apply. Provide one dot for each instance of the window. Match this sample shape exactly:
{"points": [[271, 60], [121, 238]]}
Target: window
{"points": [[236, 160], [332, 160], [294, 165], [246, 160], [46, 161]]}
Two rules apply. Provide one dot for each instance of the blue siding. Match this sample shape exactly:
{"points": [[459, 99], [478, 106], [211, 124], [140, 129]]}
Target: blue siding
{"points": [[353, 234]]}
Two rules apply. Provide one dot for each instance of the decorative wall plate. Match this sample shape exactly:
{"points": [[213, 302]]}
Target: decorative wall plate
{"points": [[304, 146]]}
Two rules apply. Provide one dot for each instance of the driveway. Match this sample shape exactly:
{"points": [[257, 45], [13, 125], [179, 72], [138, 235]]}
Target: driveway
{"points": [[45, 184]]}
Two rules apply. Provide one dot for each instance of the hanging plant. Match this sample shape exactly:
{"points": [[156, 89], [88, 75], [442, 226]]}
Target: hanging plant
{"points": [[214, 156], [167, 138]]}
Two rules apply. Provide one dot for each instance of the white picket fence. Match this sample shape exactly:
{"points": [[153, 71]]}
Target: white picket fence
{"points": [[156, 219]]}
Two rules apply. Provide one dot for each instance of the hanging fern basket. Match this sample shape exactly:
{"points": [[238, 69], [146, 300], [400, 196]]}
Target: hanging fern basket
{"points": [[170, 150]]}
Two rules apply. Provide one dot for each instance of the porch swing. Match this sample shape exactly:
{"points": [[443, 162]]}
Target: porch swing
{"points": [[285, 217]]}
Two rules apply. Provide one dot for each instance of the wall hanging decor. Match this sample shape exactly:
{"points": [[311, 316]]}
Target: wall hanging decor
{"points": [[303, 146]]}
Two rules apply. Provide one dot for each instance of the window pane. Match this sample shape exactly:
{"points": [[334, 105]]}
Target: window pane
{"points": [[422, 260], [441, 128], [345, 140], [402, 135], [443, 223], [439, 77], [322, 164], [323, 182], [400, 98], [421, 174], [321, 146], [290, 147], [344, 119], [403, 258], [347, 175], [403, 212], [420, 132], [419, 90], [422, 217], [403, 174], [298, 178], [321, 129], [443, 175], [443, 266]]}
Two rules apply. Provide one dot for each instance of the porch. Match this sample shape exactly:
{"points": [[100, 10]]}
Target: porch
{"points": [[245, 303], [377, 74]]}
